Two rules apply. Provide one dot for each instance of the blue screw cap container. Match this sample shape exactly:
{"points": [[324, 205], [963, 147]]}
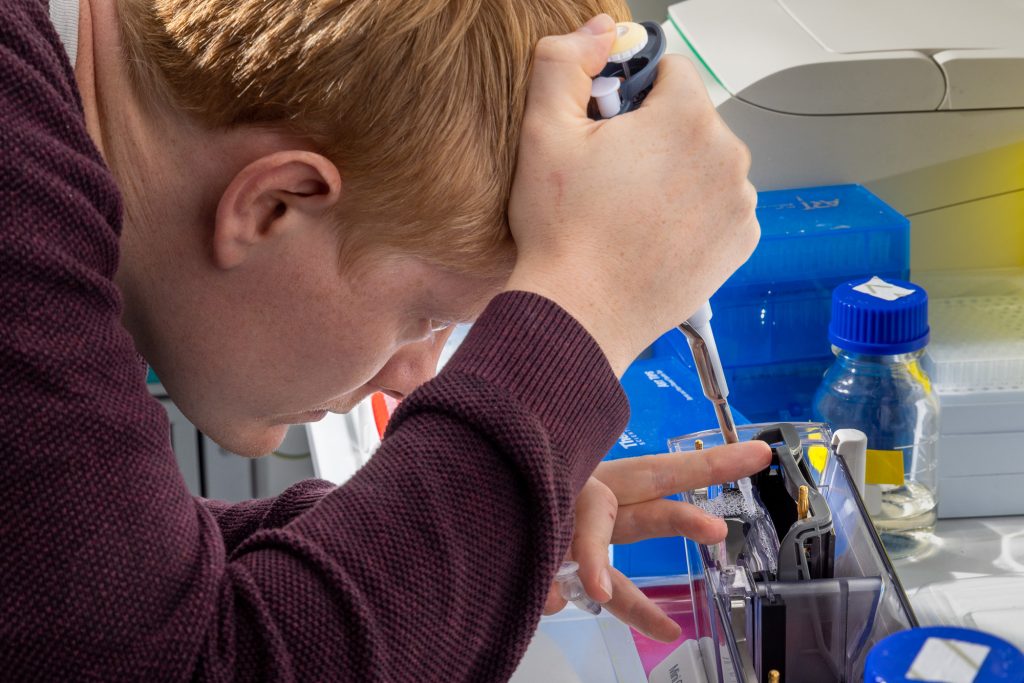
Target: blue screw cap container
{"points": [[946, 654], [879, 317]]}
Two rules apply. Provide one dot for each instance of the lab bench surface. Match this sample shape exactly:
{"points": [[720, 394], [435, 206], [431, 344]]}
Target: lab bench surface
{"points": [[967, 548], [973, 577]]}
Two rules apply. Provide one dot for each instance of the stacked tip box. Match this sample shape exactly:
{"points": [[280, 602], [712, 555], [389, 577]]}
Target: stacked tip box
{"points": [[771, 317]]}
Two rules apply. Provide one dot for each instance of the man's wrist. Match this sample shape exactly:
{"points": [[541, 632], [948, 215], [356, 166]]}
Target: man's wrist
{"points": [[595, 319]]}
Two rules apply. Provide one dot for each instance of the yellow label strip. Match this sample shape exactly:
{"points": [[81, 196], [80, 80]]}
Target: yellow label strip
{"points": [[884, 467]]}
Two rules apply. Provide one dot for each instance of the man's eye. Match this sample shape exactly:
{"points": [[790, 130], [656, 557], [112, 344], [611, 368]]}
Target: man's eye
{"points": [[439, 325]]}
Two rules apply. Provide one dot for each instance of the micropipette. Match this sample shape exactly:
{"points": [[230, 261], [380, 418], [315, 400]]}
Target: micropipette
{"points": [[701, 339], [621, 86]]}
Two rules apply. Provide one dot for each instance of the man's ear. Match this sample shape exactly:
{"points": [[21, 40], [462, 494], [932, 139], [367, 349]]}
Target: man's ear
{"points": [[276, 193]]}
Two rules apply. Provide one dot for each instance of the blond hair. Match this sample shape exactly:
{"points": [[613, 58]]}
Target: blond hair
{"points": [[419, 103]]}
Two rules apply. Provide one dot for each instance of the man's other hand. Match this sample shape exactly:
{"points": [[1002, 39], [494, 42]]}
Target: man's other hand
{"points": [[625, 502]]}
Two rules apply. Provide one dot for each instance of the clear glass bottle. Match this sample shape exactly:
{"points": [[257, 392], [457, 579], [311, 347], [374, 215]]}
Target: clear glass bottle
{"points": [[879, 331]]}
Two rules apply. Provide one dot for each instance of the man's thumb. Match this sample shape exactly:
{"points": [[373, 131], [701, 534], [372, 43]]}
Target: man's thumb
{"points": [[564, 65]]}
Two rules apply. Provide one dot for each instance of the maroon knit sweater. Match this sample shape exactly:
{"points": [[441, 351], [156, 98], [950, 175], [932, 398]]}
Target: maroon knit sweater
{"points": [[432, 564]]}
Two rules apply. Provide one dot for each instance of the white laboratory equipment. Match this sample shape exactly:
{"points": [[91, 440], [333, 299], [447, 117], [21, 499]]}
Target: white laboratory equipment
{"points": [[922, 101]]}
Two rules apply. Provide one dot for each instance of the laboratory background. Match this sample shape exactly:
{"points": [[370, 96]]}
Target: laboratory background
{"points": [[875, 339]]}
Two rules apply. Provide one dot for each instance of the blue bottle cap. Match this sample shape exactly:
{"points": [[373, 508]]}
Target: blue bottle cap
{"points": [[946, 654], [879, 317]]}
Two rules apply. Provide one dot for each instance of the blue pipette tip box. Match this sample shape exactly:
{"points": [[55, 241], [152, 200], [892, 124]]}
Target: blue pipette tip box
{"points": [[776, 307], [771, 326]]}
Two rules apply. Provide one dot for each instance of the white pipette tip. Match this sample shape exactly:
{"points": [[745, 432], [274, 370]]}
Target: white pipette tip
{"points": [[747, 489]]}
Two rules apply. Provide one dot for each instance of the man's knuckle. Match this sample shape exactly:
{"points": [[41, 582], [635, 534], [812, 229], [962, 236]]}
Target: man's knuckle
{"points": [[688, 72], [663, 479], [607, 501], [751, 207], [753, 235], [702, 124], [552, 49]]}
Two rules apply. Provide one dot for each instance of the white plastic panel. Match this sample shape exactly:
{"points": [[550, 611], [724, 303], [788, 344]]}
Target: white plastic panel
{"points": [[850, 26], [798, 151], [992, 495], [976, 455], [226, 475], [762, 55], [860, 84], [983, 79], [990, 603], [986, 412]]}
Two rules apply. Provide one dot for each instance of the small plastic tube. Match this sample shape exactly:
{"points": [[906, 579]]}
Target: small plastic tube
{"points": [[571, 588]]}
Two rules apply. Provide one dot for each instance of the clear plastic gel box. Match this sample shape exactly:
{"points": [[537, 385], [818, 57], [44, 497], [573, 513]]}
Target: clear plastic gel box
{"points": [[735, 625], [813, 630]]}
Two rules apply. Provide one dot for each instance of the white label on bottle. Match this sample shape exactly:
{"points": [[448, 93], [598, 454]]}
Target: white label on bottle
{"points": [[942, 660], [880, 289]]}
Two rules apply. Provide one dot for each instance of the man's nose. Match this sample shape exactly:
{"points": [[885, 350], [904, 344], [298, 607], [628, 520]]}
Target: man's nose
{"points": [[413, 365]]}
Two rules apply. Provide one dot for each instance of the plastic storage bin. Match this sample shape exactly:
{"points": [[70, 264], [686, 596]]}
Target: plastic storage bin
{"points": [[818, 629], [776, 307], [976, 361], [771, 317]]}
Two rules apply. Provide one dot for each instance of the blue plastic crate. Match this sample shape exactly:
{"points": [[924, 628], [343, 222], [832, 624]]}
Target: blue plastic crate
{"points": [[776, 307], [776, 392]]}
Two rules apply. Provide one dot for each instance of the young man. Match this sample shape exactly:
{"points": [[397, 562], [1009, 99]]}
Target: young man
{"points": [[281, 205]]}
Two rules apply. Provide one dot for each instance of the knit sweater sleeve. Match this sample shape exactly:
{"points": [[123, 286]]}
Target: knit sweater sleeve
{"points": [[239, 520], [432, 562]]}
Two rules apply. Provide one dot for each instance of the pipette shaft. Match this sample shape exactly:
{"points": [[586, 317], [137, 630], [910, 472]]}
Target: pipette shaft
{"points": [[701, 340]]}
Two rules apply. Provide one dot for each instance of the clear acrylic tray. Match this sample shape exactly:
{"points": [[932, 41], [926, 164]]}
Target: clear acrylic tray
{"points": [[815, 630]]}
